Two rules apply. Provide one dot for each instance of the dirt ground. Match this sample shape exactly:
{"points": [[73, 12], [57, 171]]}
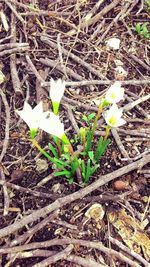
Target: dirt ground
{"points": [[43, 219]]}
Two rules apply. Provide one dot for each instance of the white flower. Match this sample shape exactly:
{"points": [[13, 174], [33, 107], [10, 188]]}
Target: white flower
{"points": [[57, 89], [113, 116], [32, 117], [52, 125], [113, 43], [115, 93]]}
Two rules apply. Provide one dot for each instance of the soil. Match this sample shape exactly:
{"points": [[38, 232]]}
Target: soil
{"points": [[68, 40]]}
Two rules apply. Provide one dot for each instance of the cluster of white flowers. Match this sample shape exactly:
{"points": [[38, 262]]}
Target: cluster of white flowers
{"points": [[113, 116], [49, 122]]}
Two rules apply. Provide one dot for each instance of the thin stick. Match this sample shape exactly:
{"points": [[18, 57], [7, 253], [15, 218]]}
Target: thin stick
{"points": [[13, 68], [7, 111], [46, 39], [54, 258], [130, 252], [56, 65], [55, 242], [6, 195], [120, 145], [136, 102], [86, 262], [101, 82], [15, 12], [34, 70], [72, 119]]}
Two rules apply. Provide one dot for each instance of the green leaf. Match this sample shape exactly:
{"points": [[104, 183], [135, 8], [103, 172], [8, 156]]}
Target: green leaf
{"points": [[104, 147], [53, 150], [138, 27], [55, 139], [74, 167], [83, 169], [70, 180], [62, 162], [83, 153], [91, 156], [88, 171], [61, 173], [144, 28], [93, 169], [88, 141], [98, 149], [65, 156], [101, 148], [84, 117], [91, 116]]}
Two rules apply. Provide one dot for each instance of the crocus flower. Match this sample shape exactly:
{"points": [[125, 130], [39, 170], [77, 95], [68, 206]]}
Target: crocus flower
{"points": [[113, 116], [52, 125], [113, 43], [57, 89], [32, 117], [115, 93]]}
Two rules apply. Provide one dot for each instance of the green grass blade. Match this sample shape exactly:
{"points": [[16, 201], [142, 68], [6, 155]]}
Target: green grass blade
{"points": [[89, 141], [88, 171], [83, 169], [61, 173], [98, 149], [53, 150], [62, 162]]}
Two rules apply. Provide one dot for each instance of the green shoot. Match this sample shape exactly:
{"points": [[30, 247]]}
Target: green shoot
{"points": [[89, 118], [87, 170], [142, 30], [147, 2], [101, 148]]}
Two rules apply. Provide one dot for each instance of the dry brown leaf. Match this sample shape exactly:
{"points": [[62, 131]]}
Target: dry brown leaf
{"points": [[131, 232]]}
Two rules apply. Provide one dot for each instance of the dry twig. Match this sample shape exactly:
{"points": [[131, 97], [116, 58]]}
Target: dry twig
{"points": [[55, 242], [101, 82], [7, 111], [120, 145], [54, 258], [46, 39], [15, 12], [13, 68], [130, 252]]}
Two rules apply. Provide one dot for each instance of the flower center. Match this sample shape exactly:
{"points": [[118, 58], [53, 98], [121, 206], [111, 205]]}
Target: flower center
{"points": [[113, 95], [113, 120]]}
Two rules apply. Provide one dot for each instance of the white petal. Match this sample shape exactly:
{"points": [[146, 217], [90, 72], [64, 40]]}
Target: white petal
{"points": [[31, 116], [115, 93], [52, 125], [121, 122], [38, 108], [113, 116], [27, 107], [57, 89]]}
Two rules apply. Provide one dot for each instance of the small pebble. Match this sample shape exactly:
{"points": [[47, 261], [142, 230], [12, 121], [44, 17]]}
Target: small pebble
{"points": [[119, 185]]}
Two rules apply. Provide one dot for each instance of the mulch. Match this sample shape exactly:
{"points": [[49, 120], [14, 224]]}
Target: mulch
{"points": [[43, 219]]}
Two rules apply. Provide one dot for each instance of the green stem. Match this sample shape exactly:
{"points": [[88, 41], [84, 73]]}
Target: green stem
{"points": [[96, 120], [106, 133], [58, 142], [34, 142], [75, 158]]}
